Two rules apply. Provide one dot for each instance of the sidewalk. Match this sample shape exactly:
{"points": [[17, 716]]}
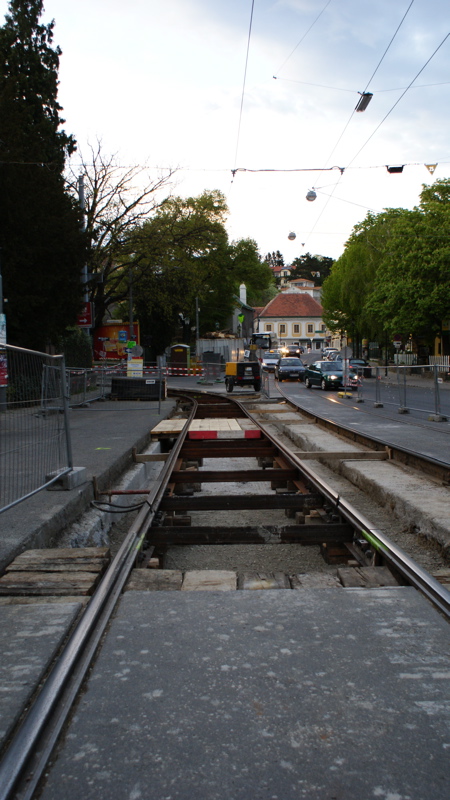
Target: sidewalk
{"points": [[103, 436]]}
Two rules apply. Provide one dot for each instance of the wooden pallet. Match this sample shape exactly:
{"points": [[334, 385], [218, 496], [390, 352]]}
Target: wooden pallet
{"points": [[49, 572]]}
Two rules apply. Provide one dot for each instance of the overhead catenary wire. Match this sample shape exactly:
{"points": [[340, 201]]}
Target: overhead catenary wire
{"points": [[354, 91], [303, 37], [244, 83], [374, 72], [397, 101], [387, 48]]}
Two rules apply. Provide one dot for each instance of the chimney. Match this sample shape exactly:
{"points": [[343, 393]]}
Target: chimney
{"points": [[243, 293]]}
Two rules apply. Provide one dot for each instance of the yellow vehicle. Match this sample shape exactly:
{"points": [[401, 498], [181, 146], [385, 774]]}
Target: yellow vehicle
{"points": [[241, 374]]}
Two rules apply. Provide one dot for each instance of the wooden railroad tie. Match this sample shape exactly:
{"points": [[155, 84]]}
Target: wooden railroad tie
{"points": [[52, 571]]}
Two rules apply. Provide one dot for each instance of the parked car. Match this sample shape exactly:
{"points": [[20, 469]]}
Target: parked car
{"points": [[270, 359], [328, 375], [360, 364], [328, 351], [289, 368]]}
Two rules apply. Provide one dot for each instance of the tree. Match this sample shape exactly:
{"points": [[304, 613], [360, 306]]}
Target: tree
{"points": [[40, 233], [312, 268], [185, 259], [274, 259], [114, 210], [394, 275]]}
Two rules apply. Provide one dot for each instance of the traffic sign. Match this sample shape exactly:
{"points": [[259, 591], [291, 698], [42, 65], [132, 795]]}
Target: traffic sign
{"points": [[85, 319]]}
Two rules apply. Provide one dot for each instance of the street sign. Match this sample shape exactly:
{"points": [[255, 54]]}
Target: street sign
{"points": [[85, 319]]}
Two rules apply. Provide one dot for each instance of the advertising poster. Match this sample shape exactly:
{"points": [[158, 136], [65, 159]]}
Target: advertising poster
{"points": [[111, 341]]}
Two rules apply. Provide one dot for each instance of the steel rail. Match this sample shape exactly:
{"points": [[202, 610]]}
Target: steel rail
{"points": [[24, 762], [429, 464], [68, 673], [412, 572]]}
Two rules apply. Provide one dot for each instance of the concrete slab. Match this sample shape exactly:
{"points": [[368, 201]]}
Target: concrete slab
{"points": [[207, 580], [29, 637], [314, 694]]}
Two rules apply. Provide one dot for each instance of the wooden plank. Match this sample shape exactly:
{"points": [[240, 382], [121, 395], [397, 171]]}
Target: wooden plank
{"points": [[21, 600], [299, 534], [235, 476], [154, 580], [233, 502], [212, 580], [168, 426], [67, 559], [364, 455], [263, 580], [229, 445], [221, 424], [48, 583], [366, 577], [66, 565], [223, 448], [442, 575]]}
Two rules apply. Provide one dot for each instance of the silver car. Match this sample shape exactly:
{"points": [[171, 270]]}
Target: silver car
{"points": [[270, 359]]}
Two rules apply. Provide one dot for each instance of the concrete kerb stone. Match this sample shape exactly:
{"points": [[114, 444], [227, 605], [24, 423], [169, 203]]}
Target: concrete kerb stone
{"points": [[92, 529], [419, 503]]}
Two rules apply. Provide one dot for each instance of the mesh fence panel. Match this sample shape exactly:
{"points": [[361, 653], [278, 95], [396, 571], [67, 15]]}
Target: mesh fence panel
{"points": [[34, 431]]}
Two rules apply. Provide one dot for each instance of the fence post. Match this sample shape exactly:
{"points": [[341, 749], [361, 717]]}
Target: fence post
{"points": [[377, 403], [65, 400], [402, 409]]}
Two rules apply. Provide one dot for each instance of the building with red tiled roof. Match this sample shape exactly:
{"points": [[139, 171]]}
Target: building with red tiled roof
{"points": [[282, 273], [293, 317]]}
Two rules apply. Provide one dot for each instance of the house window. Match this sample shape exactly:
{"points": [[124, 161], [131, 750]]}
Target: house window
{"points": [[310, 327], [268, 327], [324, 327], [296, 329], [282, 329]]}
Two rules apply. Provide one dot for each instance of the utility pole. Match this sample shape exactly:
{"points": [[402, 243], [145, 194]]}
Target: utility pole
{"points": [[197, 334], [82, 202], [130, 304]]}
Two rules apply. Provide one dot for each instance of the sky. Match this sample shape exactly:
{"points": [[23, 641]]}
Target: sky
{"points": [[211, 86]]}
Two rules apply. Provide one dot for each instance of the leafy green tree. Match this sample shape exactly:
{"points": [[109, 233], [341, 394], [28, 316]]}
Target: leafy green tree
{"points": [[394, 275], [40, 233], [185, 259], [412, 293]]}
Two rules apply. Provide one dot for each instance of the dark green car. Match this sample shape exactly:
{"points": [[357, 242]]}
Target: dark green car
{"points": [[326, 374]]}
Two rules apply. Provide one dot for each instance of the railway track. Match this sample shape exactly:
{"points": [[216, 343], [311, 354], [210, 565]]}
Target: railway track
{"points": [[217, 443]]}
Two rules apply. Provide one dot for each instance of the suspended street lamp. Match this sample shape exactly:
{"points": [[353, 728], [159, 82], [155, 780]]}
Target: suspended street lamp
{"points": [[311, 195], [363, 101]]}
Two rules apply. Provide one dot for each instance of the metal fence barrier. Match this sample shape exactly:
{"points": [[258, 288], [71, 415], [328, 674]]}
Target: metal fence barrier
{"points": [[35, 445], [421, 389]]}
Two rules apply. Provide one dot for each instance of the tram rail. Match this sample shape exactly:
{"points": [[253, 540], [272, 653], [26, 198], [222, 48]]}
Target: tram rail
{"points": [[25, 760]]}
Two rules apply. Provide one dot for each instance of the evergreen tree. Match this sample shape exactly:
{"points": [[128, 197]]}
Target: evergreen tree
{"points": [[313, 268], [40, 225]]}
